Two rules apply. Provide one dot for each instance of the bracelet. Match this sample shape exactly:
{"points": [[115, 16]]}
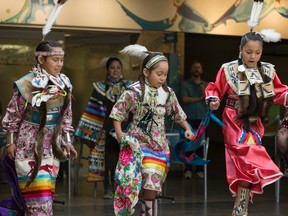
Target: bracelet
{"points": [[286, 100], [68, 138], [10, 138]]}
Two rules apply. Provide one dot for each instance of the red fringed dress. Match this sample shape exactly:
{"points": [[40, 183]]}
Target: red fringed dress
{"points": [[246, 158]]}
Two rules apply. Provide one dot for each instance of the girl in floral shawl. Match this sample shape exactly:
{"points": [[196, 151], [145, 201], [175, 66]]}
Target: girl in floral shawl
{"points": [[144, 156]]}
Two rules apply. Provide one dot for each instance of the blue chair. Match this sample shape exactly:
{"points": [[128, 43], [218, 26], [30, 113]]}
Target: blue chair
{"points": [[174, 139]]}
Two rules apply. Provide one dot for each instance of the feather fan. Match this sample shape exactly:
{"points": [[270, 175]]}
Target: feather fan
{"points": [[52, 17], [135, 50]]}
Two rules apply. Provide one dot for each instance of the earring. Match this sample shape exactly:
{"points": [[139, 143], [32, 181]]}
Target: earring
{"points": [[240, 55]]}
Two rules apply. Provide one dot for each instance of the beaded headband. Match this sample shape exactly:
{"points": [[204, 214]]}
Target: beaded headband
{"points": [[155, 60], [48, 53]]}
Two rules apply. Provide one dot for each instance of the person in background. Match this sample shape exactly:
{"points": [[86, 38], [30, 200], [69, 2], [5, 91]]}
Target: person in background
{"points": [[252, 87], [145, 154], [104, 151], [193, 98], [38, 123]]}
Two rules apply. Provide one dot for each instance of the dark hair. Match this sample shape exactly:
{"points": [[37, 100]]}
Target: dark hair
{"points": [[252, 105], [57, 151], [46, 46], [196, 61], [149, 57], [110, 60], [142, 77], [108, 63], [250, 36]]}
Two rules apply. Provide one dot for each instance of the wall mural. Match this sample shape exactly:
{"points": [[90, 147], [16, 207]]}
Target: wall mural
{"points": [[32, 11], [200, 16]]}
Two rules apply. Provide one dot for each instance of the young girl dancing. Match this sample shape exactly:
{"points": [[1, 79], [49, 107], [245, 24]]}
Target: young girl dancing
{"points": [[144, 156], [252, 87], [38, 123]]}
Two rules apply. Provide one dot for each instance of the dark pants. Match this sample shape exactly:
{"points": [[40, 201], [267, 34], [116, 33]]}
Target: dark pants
{"points": [[112, 150]]}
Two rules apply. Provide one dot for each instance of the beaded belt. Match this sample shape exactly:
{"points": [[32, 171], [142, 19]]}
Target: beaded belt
{"points": [[33, 117], [232, 103], [284, 123]]}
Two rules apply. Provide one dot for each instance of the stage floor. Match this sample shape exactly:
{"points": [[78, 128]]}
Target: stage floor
{"points": [[188, 194]]}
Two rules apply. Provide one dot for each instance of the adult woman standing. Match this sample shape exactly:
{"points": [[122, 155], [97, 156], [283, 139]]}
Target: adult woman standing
{"points": [[95, 126]]}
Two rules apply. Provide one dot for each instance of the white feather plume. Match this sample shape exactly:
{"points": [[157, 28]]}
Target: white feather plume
{"points": [[103, 61], [255, 13], [135, 50], [52, 17], [270, 35]]}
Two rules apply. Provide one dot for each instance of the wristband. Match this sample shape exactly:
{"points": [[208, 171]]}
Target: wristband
{"points": [[10, 138], [68, 138]]}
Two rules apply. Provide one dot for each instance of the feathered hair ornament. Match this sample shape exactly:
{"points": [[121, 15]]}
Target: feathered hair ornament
{"points": [[135, 50], [270, 35], [52, 17], [256, 10], [103, 61]]}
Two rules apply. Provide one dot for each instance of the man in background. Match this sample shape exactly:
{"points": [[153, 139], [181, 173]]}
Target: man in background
{"points": [[193, 99]]}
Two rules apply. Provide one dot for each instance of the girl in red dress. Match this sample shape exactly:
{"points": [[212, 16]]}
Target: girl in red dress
{"points": [[252, 86]]}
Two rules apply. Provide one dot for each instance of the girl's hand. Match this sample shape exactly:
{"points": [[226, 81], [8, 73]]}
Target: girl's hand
{"points": [[189, 134], [214, 105], [10, 150], [119, 136], [71, 151]]}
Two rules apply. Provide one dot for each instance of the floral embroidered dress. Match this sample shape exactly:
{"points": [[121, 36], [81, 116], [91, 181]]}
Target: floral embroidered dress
{"points": [[22, 119], [246, 158], [148, 127]]}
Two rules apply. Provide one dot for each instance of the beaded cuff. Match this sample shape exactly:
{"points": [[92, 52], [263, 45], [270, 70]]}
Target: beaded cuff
{"points": [[10, 138], [68, 138]]}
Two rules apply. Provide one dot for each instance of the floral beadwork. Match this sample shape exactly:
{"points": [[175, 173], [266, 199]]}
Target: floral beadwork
{"points": [[128, 176]]}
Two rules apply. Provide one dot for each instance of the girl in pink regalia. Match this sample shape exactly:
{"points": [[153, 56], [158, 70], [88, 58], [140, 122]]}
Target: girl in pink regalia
{"points": [[38, 123], [252, 86]]}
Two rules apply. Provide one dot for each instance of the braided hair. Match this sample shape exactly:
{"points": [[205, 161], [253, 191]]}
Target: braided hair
{"points": [[47, 46], [251, 105], [57, 151]]}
